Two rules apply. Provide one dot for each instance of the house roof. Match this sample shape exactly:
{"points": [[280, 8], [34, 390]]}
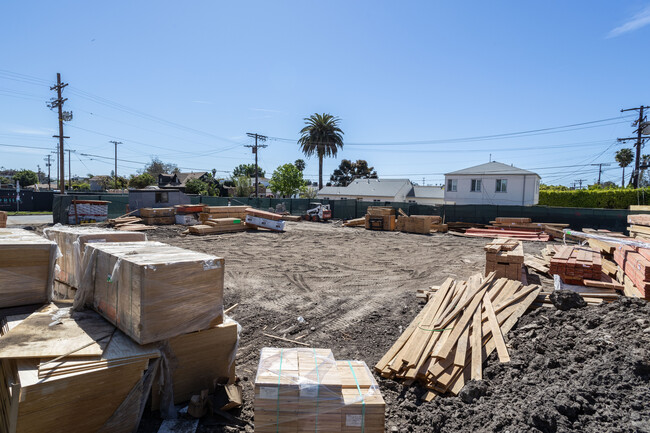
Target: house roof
{"points": [[184, 177], [368, 187], [493, 167], [427, 192]]}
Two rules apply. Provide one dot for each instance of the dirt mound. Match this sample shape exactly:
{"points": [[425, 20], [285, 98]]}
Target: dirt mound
{"points": [[584, 369]]}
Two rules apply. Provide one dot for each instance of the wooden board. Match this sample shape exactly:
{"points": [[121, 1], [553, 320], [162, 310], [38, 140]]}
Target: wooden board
{"points": [[157, 212]]}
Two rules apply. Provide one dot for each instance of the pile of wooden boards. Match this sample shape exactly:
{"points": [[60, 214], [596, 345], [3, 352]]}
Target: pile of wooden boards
{"points": [[460, 326], [3, 219], [639, 227], [307, 390], [187, 214], [505, 257], [158, 215], [218, 212], [635, 263], [27, 263], [129, 222], [421, 224], [574, 264], [219, 225], [72, 243], [514, 228], [380, 218], [522, 235], [265, 220]]}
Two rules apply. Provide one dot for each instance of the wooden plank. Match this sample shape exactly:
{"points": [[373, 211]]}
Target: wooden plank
{"points": [[477, 344], [496, 330]]}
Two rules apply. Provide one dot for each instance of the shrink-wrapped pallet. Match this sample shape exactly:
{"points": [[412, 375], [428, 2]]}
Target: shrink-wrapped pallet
{"points": [[72, 243], [27, 263], [152, 291]]}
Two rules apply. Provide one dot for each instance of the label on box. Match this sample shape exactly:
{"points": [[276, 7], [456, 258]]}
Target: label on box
{"points": [[308, 390], [353, 420], [268, 392]]}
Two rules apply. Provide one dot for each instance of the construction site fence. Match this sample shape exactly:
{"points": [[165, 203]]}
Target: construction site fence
{"points": [[577, 218]]}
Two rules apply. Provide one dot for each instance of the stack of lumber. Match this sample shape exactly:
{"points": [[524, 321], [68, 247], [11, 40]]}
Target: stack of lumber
{"points": [[417, 223], [219, 225], [307, 390], [184, 209], [158, 216], [576, 264], [27, 263], [3, 219], [456, 331], [72, 373], [635, 264], [129, 223], [521, 235], [217, 212], [72, 243], [356, 222], [505, 257], [152, 291], [265, 220], [380, 218], [639, 227], [292, 218]]}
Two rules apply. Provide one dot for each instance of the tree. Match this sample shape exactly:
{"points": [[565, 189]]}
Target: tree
{"points": [[287, 180], [322, 137], [243, 186], [624, 157], [141, 181], [108, 182], [300, 164], [196, 186], [247, 170], [157, 167], [349, 171], [25, 178]]}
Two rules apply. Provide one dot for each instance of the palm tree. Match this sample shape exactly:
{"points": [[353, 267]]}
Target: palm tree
{"points": [[321, 136], [624, 157]]}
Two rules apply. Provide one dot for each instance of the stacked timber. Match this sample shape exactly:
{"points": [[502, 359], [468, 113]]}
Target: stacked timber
{"points": [[72, 243], [575, 264], [72, 373], [218, 212], [505, 257], [639, 227], [306, 390], [158, 216], [217, 226], [635, 264], [27, 263], [421, 224], [187, 214], [152, 291], [3, 219], [460, 326], [502, 232], [265, 220], [380, 218], [356, 222]]}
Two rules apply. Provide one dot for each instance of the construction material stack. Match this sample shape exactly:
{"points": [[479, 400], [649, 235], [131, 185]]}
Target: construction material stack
{"points": [[188, 214], [158, 216], [265, 220], [27, 263], [87, 211], [505, 257], [306, 390], [635, 264], [380, 218], [3, 219], [218, 212], [421, 224], [575, 264], [639, 227]]}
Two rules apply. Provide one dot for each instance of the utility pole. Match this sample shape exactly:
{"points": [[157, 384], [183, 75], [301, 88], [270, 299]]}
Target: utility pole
{"points": [[579, 181], [69, 172], [600, 169], [48, 165], [639, 141], [58, 103], [115, 143], [255, 147]]}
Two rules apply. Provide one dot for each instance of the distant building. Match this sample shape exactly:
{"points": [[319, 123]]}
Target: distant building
{"points": [[427, 195], [139, 198], [492, 183], [99, 183], [179, 180], [383, 190]]}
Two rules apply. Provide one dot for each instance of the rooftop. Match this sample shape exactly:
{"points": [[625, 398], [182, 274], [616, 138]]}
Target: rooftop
{"points": [[493, 167], [368, 187]]}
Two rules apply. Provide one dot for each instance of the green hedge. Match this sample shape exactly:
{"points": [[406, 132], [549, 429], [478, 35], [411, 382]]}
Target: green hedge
{"points": [[595, 198]]}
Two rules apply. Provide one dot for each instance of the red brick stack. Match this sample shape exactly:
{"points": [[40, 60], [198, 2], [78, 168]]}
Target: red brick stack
{"points": [[576, 264]]}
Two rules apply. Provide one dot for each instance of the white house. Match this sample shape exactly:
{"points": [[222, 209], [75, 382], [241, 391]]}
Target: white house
{"points": [[492, 183], [382, 190]]}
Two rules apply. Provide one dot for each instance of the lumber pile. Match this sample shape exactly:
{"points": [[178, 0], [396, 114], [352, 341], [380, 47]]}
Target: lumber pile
{"points": [[216, 226], [158, 216], [380, 218], [421, 224], [307, 390], [130, 223], [72, 243], [3, 219], [460, 326], [217, 212], [266, 220], [639, 227], [292, 218], [575, 264], [152, 291], [356, 222], [635, 264], [27, 263], [505, 257], [521, 235]]}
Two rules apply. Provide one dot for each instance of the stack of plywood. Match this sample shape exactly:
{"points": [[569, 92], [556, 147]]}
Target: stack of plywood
{"points": [[265, 220], [576, 264], [218, 212], [306, 390], [152, 291], [72, 244], [219, 225], [3, 219], [460, 326], [72, 374], [26, 267], [505, 257], [380, 218], [158, 215]]}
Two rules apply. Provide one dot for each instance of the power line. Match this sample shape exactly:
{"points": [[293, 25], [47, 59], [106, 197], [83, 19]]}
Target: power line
{"points": [[639, 140], [255, 147], [58, 104]]}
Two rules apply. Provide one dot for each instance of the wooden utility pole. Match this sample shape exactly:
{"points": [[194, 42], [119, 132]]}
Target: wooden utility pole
{"points": [[69, 171], [255, 147], [639, 142], [58, 103], [115, 173], [600, 169]]}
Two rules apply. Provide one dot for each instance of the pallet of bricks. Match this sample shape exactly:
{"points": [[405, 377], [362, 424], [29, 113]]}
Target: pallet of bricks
{"points": [[146, 299], [380, 218], [3, 219], [505, 257], [220, 219], [156, 216], [307, 390]]}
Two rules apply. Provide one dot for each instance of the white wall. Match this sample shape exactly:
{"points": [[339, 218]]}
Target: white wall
{"points": [[521, 190]]}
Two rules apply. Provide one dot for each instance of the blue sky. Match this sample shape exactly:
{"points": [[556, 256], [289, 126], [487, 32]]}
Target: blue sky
{"points": [[187, 81]]}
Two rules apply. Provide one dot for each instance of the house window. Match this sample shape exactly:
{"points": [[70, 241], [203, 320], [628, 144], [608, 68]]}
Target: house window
{"points": [[476, 185], [162, 197], [452, 185], [502, 185]]}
